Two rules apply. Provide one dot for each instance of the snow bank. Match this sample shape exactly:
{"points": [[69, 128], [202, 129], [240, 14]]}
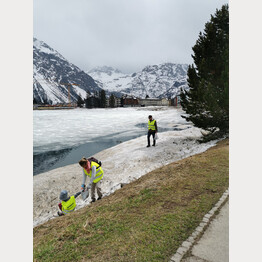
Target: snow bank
{"points": [[121, 164]]}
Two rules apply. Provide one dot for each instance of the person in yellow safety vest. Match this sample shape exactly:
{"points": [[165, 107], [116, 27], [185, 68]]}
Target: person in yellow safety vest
{"points": [[96, 173], [152, 130], [68, 204]]}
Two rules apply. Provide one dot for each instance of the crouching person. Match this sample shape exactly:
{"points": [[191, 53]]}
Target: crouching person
{"points": [[67, 204], [96, 173]]}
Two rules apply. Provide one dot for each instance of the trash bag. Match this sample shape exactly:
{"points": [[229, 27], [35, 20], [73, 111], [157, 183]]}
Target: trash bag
{"points": [[85, 194]]}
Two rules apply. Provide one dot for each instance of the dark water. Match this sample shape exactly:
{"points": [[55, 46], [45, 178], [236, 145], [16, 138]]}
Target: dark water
{"points": [[43, 162]]}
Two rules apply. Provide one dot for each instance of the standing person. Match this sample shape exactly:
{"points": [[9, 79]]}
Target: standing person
{"points": [[152, 130], [96, 173], [67, 204]]}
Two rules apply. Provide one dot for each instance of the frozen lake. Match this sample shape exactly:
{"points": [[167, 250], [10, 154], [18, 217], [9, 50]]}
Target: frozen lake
{"points": [[62, 137]]}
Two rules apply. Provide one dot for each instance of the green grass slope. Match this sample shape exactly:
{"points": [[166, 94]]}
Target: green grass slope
{"points": [[146, 220]]}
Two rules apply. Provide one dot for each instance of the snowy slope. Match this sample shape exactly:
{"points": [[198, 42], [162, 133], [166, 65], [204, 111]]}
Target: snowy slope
{"points": [[178, 140], [156, 81], [51, 74], [110, 79], [171, 146]]}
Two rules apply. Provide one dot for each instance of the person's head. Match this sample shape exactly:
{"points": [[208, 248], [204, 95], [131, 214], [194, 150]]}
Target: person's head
{"points": [[150, 117], [63, 195], [83, 162]]}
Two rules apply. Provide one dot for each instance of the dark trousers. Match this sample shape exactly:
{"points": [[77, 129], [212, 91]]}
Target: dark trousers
{"points": [[153, 133]]}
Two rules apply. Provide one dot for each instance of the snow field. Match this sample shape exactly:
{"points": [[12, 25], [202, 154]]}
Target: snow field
{"points": [[122, 163]]}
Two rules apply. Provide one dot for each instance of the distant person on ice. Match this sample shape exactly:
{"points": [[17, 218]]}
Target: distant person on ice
{"points": [[68, 204], [152, 130], [96, 173]]}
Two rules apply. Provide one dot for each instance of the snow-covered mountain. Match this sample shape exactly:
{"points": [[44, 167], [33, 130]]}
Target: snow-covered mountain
{"points": [[52, 73], [156, 81]]}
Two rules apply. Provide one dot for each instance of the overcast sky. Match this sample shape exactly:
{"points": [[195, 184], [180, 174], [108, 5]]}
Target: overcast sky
{"points": [[125, 34]]}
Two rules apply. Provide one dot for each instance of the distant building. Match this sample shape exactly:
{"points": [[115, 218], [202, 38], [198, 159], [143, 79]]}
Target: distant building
{"points": [[165, 102], [154, 102], [92, 102], [117, 101], [175, 101], [129, 101]]}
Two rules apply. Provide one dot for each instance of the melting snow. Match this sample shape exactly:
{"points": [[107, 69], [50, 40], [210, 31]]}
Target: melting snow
{"points": [[121, 164]]}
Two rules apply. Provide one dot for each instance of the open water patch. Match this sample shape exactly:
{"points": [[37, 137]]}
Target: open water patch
{"points": [[46, 161], [52, 159]]}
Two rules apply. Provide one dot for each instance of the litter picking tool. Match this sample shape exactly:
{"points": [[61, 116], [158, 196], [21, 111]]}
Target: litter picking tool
{"points": [[85, 194]]}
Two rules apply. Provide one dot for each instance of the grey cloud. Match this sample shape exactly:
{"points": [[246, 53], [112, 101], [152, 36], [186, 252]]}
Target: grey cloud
{"points": [[126, 34]]}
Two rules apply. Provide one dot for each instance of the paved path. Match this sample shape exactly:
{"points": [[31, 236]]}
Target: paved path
{"points": [[214, 244]]}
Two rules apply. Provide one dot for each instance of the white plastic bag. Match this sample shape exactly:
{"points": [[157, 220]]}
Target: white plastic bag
{"points": [[85, 194], [156, 137]]}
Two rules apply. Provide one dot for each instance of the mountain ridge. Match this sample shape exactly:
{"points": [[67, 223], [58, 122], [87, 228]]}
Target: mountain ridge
{"points": [[156, 81], [55, 79]]}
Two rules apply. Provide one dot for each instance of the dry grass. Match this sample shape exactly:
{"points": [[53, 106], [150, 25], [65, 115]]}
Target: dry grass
{"points": [[146, 220]]}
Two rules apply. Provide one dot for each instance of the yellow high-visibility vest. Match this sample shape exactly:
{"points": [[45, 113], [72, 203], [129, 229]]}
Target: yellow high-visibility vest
{"points": [[99, 172], [68, 206], [151, 125]]}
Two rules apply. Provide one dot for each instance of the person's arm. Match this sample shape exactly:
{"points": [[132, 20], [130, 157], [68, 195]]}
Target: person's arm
{"points": [[156, 126], [92, 177], [84, 180], [77, 194]]}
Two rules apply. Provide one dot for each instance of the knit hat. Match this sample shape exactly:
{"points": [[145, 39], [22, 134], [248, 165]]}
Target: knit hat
{"points": [[63, 195]]}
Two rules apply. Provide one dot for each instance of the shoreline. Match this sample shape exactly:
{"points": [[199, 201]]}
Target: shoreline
{"points": [[122, 164], [57, 145]]}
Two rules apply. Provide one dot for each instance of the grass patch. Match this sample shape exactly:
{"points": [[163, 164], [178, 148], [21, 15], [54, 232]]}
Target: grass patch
{"points": [[147, 220]]}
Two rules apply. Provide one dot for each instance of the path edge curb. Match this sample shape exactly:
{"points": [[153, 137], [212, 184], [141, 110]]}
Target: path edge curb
{"points": [[191, 240]]}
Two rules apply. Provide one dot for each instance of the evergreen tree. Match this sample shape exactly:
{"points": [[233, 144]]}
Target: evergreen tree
{"points": [[207, 101], [102, 95], [122, 100], [88, 100], [112, 101]]}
